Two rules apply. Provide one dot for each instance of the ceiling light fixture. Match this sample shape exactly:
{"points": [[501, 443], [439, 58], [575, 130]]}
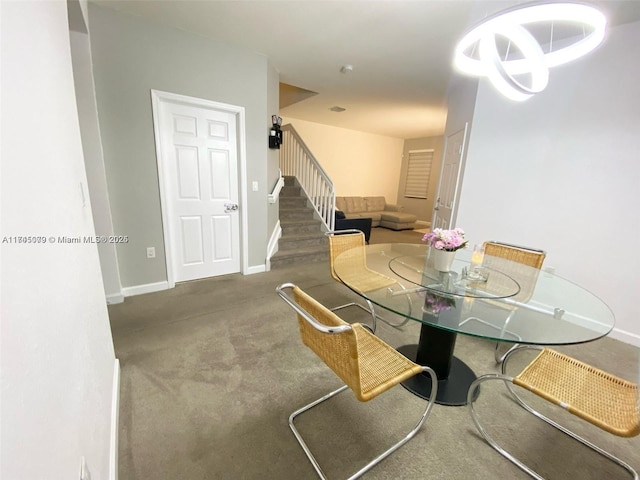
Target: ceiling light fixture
{"points": [[534, 61], [346, 69]]}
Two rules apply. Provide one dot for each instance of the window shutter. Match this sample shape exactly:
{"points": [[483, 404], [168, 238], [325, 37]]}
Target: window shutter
{"points": [[418, 173]]}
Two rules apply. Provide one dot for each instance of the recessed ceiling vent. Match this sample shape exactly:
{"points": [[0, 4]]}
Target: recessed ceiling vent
{"points": [[337, 109]]}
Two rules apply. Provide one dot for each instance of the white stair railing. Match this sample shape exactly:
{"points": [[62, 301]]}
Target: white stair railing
{"points": [[296, 160]]}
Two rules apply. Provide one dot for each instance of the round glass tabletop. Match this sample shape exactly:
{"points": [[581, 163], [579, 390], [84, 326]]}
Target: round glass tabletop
{"points": [[460, 281], [517, 303]]}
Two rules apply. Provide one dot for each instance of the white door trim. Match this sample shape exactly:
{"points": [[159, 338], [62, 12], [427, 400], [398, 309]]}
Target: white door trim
{"points": [[157, 97], [459, 176]]}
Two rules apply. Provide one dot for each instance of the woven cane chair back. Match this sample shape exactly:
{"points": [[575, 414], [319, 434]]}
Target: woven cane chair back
{"points": [[524, 255], [340, 243], [515, 256], [363, 361], [353, 263]]}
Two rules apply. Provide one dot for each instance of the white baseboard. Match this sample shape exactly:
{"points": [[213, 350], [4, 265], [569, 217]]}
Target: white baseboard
{"points": [[115, 298], [626, 337], [146, 288], [115, 406], [255, 269], [272, 247]]}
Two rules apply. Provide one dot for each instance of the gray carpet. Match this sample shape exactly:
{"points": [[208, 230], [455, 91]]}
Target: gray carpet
{"points": [[212, 369], [386, 235]]}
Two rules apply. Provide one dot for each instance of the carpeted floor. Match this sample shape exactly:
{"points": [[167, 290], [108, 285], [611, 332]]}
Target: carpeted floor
{"points": [[386, 235], [212, 369]]}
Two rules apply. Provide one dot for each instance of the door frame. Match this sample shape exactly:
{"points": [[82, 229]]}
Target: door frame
{"points": [[459, 176], [157, 98]]}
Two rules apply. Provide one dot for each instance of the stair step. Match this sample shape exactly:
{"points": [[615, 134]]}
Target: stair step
{"points": [[301, 256], [290, 191], [293, 202], [294, 242], [290, 227], [302, 240], [295, 213]]}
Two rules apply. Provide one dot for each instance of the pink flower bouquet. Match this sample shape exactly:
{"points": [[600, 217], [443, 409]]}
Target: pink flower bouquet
{"points": [[447, 240]]}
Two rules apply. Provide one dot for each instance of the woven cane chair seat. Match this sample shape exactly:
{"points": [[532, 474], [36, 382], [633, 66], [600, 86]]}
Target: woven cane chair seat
{"points": [[363, 361], [598, 397]]}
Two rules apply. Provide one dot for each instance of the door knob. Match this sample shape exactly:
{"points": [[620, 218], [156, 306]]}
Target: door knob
{"points": [[230, 207]]}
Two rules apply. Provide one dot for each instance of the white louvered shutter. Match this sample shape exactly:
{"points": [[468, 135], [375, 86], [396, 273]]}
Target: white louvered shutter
{"points": [[418, 173]]}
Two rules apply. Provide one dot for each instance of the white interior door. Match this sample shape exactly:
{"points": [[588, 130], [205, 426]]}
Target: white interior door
{"points": [[198, 159], [444, 209]]}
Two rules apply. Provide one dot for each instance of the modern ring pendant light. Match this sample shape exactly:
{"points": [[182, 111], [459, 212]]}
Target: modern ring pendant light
{"points": [[533, 61]]}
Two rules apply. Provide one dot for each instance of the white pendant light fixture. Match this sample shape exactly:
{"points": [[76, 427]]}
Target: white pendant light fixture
{"points": [[532, 61]]}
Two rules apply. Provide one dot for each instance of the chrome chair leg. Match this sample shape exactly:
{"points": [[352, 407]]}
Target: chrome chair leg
{"points": [[370, 311], [374, 315], [384, 454], [508, 381], [295, 431], [499, 357], [406, 319]]}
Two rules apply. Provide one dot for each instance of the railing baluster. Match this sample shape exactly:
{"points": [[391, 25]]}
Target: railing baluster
{"points": [[296, 160]]}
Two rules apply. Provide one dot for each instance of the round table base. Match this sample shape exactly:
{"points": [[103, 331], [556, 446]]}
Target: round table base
{"points": [[452, 391]]}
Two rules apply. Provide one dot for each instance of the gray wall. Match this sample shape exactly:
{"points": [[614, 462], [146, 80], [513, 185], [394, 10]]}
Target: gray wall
{"points": [[57, 353], [131, 57], [94, 161], [422, 208], [273, 157], [561, 172]]}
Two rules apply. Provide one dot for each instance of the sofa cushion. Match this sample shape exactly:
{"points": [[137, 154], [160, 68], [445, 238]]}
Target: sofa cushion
{"points": [[399, 217], [375, 204], [397, 226], [355, 204], [374, 215]]}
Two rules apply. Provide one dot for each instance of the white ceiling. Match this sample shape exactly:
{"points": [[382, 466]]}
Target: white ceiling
{"points": [[401, 51]]}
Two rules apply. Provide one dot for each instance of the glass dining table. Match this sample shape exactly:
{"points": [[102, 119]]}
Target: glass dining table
{"points": [[498, 300]]}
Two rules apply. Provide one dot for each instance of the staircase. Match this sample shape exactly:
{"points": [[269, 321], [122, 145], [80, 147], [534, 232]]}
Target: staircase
{"points": [[302, 240]]}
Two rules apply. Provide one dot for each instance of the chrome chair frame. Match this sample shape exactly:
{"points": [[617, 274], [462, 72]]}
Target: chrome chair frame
{"points": [[371, 309], [500, 357], [334, 330], [473, 394]]}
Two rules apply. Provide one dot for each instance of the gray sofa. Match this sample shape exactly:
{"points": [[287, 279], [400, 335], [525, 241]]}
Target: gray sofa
{"points": [[382, 214]]}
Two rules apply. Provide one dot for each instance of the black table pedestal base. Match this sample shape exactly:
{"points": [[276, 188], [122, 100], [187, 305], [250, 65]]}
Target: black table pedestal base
{"points": [[452, 391]]}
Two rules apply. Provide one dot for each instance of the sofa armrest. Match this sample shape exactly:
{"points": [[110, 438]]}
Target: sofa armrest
{"points": [[390, 207]]}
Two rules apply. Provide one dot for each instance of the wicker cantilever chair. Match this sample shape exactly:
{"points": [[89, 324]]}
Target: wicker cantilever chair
{"points": [[525, 256], [365, 363], [598, 397], [360, 277]]}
